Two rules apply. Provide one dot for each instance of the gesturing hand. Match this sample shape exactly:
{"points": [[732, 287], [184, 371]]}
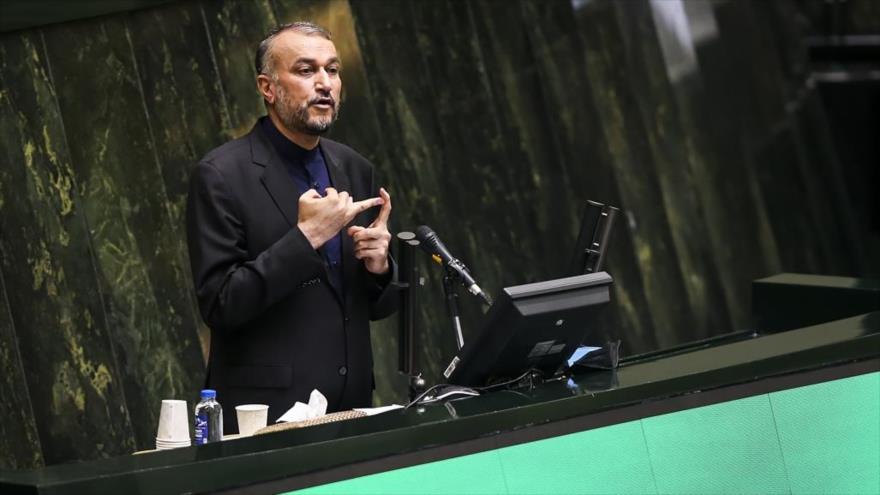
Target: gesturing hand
{"points": [[371, 243], [321, 218]]}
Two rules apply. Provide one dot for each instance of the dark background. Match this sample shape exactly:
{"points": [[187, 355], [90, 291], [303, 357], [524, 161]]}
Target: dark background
{"points": [[738, 137]]}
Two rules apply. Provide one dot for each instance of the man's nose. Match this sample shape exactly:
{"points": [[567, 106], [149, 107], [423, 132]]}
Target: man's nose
{"points": [[322, 79]]}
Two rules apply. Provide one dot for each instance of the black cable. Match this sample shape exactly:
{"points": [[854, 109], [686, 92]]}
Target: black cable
{"points": [[508, 382], [486, 388], [423, 394]]}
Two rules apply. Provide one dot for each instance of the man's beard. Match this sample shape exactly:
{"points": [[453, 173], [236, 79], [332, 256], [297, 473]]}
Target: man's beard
{"points": [[298, 119]]}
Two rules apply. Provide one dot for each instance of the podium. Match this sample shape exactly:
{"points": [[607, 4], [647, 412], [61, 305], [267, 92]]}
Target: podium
{"points": [[662, 421]]}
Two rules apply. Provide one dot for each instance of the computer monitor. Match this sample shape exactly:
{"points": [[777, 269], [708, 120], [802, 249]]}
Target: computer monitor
{"points": [[535, 325]]}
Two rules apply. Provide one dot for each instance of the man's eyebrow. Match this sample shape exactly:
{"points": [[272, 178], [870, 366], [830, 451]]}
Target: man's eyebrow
{"points": [[311, 61]]}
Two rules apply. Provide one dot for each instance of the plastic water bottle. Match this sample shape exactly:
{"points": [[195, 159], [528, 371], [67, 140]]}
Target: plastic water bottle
{"points": [[208, 418]]}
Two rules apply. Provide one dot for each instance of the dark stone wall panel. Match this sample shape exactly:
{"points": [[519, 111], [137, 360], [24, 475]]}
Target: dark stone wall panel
{"points": [[235, 29], [836, 256], [713, 111], [76, 390], [186, 112], [722, 220], [400, 88], [548, 106], [137, 245], [476, 166], [19, 440], [771, 140], [635, 171], [788, 64], [784, 190], [651, 88], [761, 83], [824, 169]]}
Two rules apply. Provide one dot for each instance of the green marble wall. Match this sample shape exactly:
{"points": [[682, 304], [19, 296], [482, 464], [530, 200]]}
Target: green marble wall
{"points": [[491, 121]]}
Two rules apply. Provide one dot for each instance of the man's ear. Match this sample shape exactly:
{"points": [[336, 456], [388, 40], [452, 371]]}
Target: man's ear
{"points": [[266, 88]]}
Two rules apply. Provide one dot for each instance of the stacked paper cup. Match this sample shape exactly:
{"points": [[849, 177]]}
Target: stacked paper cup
{"points": [[173, 429]]}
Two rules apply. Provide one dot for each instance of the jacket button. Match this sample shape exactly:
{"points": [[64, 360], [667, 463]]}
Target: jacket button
{"points": [[346, 319], [343, 370]]}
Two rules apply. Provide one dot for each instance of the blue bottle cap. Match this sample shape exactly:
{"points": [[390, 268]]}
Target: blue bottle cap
{"points": [[209, 393]]}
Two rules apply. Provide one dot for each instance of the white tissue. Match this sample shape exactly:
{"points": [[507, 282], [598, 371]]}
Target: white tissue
{"points": [[316, 408]]}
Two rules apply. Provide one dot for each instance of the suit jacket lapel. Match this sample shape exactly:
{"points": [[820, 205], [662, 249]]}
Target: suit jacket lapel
{"points": [[341, 182], [278, 183], [275, 177]]}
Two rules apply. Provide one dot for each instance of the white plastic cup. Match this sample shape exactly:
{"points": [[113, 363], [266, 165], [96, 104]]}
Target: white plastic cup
{"points": [[173, 422], [251, 417]]}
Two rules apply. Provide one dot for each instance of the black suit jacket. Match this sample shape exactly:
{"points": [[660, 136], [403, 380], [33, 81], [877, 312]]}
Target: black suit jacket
{"points": [[278, 328]]}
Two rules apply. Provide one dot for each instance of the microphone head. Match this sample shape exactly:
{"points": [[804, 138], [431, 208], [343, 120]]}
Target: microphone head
{"points": [[423, 231], [427, 238], [431, 244]]}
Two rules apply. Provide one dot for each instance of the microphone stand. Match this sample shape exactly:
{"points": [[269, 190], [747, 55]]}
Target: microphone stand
{"points": [[408, 343], [449, 284]]}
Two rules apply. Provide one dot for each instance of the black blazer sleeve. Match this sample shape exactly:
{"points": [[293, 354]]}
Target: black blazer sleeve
{"points": [[384, 293], [232, 288]]}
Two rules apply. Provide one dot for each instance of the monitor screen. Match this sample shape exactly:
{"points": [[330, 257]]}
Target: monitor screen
{"points": [[529, 326]]}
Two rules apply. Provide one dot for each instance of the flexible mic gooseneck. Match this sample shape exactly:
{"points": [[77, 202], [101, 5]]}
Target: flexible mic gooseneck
{"points": [[430, 242]]}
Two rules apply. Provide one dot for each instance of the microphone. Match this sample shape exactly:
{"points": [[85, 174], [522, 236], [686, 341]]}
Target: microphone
{"points": [[430, 242]]}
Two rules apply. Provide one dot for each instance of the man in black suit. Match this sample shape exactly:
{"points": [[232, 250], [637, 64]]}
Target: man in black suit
{"points": [[286, 288]]}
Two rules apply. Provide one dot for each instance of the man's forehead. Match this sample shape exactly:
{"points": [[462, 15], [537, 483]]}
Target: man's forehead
{"points": [[291, 45]]}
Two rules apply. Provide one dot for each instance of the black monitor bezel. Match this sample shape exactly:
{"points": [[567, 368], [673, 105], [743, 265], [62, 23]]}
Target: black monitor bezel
{"points": [[491, 355]]}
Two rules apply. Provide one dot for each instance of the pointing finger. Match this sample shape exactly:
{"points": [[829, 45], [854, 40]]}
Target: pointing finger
{"points": [[366, 204], [385, 212]]}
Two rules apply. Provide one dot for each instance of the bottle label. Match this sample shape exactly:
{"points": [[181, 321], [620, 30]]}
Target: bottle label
{"points": [[201, 428]]}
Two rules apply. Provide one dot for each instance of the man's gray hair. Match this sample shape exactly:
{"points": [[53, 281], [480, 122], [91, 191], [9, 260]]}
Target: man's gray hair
{"points": [[263, 63]]}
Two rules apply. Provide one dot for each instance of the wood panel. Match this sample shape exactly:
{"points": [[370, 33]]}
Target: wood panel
{"points": [[75, 387], [137, 245]]}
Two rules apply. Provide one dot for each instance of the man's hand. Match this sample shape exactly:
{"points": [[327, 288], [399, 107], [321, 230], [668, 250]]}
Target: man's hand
{"points": [[371, 243], [321, 218]]}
